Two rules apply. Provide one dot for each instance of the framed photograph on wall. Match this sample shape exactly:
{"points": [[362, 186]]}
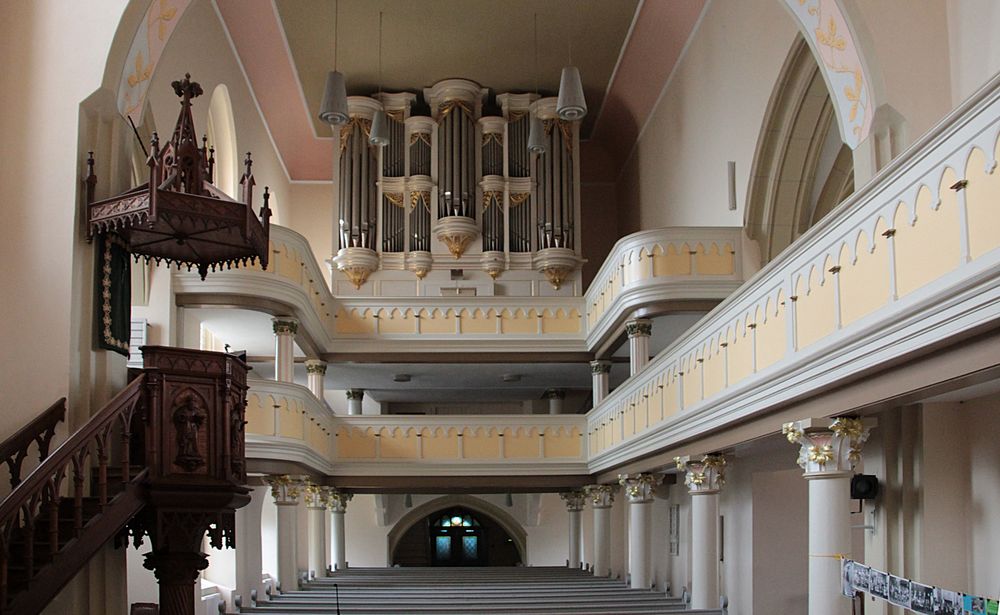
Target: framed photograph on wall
{"points": [[860, 576], [947, 602], [879, 584], [846, 578], [899, 591], [921, 598]]}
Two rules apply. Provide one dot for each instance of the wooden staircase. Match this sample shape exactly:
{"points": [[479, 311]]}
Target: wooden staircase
{"points": [[164, 459], [455, 591], [73, 503]]}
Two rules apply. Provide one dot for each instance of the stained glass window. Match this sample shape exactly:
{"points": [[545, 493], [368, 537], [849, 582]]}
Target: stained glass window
{"points": [[456, 518], [470, 547], [443, 547]]}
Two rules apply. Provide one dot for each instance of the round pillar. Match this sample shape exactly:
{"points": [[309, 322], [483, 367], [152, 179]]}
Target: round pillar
{"points": [[337, 501], [316, 374], [574, 505], [315, 497], [638, 331], [639, 491], [284, 348], [704, 479], [556, 398], [828, 451], [286, 497], [600, 371], [602, 497], [354, 400]]}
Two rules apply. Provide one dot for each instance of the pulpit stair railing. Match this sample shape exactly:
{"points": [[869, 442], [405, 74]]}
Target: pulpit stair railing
{"points": [[74, 502]]}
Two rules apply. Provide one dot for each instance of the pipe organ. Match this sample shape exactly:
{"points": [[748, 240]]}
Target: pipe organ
{"points": [[456, 189]]}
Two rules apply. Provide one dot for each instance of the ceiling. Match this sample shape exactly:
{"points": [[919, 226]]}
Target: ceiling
{"points": [[625, 50], [424, 41]]}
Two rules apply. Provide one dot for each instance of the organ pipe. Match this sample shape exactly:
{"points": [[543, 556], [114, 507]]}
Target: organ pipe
{"points": [[457, 164]]}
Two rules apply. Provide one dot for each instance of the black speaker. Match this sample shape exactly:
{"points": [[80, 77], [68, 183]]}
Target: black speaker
{"points": [[864, 487]]}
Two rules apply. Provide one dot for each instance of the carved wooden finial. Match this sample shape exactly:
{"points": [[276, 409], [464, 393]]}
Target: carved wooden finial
{"points": [[187, 89]]}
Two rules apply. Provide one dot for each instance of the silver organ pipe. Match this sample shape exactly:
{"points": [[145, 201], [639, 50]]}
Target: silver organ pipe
{"points": [[556, 186], [441, 173]]}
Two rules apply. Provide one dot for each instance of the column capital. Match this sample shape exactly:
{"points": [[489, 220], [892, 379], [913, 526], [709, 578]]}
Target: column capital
{"points": [[575, 500], [703, 476], [315, 366], [337, 500], [639, 327], [828, 447], [555, 394], [285, 325], [639, 487], [355, 394], [284, 488], [315, 496], [601, 496], [600, 367]]}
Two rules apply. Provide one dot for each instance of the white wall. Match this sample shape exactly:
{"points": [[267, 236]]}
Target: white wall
{"points": [[711, 113], [973, 46]]}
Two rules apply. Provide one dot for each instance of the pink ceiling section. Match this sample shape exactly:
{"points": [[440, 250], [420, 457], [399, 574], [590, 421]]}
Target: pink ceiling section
{"points": [[658, 38], [256, 34]]}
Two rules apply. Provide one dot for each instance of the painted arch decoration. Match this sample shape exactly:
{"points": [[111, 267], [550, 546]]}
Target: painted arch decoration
{"points": [[837, 51], [144, 52]]}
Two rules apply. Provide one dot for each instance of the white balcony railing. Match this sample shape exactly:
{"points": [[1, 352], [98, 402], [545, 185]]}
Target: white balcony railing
{"points": [[286, 422], [910, 260]]}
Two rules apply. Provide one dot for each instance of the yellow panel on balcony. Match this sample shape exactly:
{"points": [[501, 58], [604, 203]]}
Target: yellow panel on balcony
{"points": [[673, 261], [354, 443], [562, 442], [928, 248], [983, 204], [441, 443], [521, 443], [481, 443], [864, 275], [714, 259], [398, 443]]}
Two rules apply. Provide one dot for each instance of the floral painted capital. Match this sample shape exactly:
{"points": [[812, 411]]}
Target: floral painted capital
{"points": [[315, 367], [284, 488], [639, 487], [337, 500], [639, 328], [600, 367], [574, 500], [828, 446], [703, 476], [285, 326], [600, 496]]}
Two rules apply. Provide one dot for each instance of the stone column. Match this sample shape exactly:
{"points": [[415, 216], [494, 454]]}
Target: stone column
{"points": [[285, 490], [249, 561], [639, 491], [602, 497], [638, 331], [555, 397], [316, 502], [316, 374], [704, 478], [337, 501], [354, 399], [284, 348], [574, 505], [828, 452], [600, 371]]}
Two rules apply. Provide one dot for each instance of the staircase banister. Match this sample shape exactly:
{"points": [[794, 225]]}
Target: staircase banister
{"points": [[37, 480], [40, 429]]}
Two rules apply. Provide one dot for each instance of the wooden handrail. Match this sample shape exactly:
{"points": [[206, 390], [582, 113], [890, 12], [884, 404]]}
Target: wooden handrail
{"points": [[41, 430], [36, 499]]}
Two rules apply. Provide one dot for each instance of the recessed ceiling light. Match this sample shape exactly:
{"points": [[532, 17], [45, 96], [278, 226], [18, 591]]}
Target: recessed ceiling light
{"points": [[401, 378], [512, 377]]}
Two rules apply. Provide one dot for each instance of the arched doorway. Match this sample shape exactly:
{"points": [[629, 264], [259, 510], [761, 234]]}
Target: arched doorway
{"points": [[451, 533]]}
